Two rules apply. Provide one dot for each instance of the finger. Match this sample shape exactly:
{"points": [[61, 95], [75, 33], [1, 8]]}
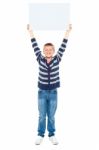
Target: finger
{"points": [[27, 26], [70, 26]]}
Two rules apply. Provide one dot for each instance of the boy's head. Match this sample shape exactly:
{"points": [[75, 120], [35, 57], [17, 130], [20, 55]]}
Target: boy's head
{"points": [[48, 50]]}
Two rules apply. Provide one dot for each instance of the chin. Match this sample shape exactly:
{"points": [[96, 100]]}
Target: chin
{"points": [[48, 56]]}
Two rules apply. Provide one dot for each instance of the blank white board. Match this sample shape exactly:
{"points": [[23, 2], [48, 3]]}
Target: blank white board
{"points": [[49, 16]]}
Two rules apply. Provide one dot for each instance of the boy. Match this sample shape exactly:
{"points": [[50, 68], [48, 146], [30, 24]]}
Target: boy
{"points": [[48, 82]]}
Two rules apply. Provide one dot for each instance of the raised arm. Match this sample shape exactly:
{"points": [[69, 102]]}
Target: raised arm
{"points": [[34, 42], [64, 42]]}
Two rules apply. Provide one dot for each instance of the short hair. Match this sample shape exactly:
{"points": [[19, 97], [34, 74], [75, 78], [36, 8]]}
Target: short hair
{"points": [[49, 44]]}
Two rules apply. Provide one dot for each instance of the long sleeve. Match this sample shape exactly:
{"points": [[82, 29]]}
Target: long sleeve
{"points": [[37, 50], [61, 49]]}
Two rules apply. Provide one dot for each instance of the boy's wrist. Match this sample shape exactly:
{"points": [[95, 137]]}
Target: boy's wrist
{"points": [[66, 35], [31, 34]]}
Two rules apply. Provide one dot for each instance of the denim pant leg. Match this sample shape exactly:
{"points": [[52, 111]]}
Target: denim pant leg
{"points": [[42, 107], [51, 109]]}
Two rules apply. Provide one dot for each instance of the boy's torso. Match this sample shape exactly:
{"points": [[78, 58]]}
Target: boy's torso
{"points": [[48, 74]]}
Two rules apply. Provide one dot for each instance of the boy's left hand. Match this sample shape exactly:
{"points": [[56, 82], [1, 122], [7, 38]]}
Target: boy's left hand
{"points": [[68, 31], [70, 27]]}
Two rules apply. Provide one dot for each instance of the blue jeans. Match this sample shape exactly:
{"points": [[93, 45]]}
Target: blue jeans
{"points": [[47, 105]]}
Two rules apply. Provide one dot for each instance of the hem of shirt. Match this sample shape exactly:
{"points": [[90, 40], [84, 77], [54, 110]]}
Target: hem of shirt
{"points": [[48, 87]]}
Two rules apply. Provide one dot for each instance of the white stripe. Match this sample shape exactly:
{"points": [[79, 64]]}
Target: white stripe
{"points": [[55, 67], [36, 46], [62, 47], [34, 42], [42, 67], [54, 72], [54, 77], [55, 61], [37, 51], [44, 64], [51, 65], [54, 82], [63, 43], [58, 55], [43, 82], [60, 52], [44, 73], [43, 77]]}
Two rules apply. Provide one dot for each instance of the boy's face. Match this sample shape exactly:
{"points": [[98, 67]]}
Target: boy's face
{"points": [[48, 51]]}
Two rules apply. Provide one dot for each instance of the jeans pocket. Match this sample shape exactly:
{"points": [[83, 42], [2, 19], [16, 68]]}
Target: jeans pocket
{"points": [[41, 94], [54, 91]]}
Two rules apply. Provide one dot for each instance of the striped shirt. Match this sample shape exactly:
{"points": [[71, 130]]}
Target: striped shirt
{"points": [[48, 72]]}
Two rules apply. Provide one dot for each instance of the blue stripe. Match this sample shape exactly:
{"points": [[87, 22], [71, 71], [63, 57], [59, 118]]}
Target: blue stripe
{"points": [[33, 40], [34, 44], [36, 49], [60, 54], [53, 70], [63, 45], [53, 75], [65, 41], [43, 70], [54, 79], [62, 50], [38, 53]]}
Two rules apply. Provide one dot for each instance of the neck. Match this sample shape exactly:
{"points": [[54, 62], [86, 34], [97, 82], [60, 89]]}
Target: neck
{"points": [[48, 59]]}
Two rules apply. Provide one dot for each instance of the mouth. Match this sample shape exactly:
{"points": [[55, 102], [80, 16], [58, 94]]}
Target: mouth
{"points": [[48, 57]]}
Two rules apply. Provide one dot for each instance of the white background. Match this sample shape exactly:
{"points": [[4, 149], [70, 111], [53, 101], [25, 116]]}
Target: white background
{"points": [[77, 117]]}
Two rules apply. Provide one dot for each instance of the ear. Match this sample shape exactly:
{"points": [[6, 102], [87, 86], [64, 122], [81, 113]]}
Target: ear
{"points": [[53, 49]]}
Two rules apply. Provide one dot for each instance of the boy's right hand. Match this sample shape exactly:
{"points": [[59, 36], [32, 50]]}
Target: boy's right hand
{"points": [[29, 28]]}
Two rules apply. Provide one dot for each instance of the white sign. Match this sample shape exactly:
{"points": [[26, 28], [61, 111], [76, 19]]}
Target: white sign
{"points": [[49, 16]]}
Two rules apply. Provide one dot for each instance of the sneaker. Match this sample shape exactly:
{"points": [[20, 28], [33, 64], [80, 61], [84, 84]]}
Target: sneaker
{"points": [[39, 140], [53, 140]]}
